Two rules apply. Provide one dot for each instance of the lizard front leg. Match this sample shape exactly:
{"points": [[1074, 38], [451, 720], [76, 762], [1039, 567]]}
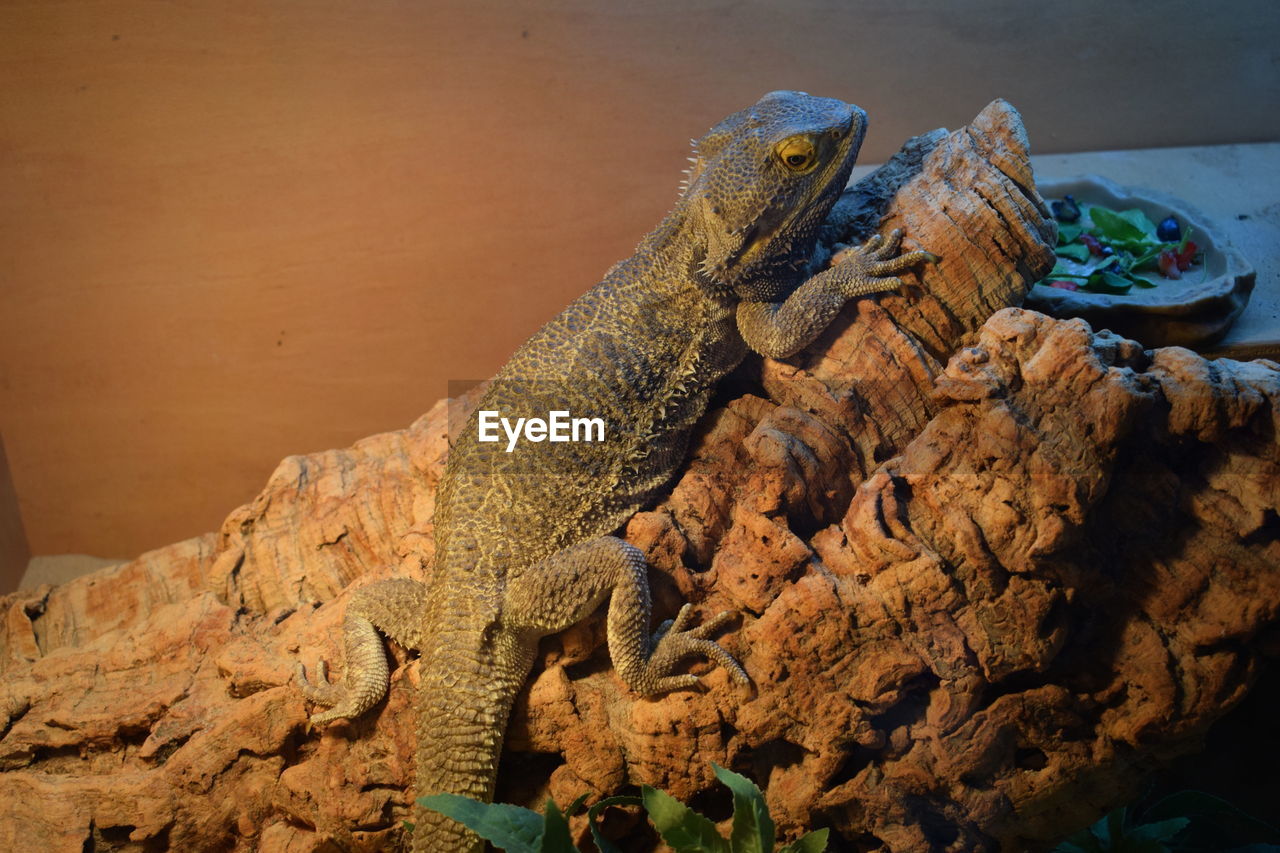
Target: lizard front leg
{"points": [[780, 329], [552, 595], [392, 607]]}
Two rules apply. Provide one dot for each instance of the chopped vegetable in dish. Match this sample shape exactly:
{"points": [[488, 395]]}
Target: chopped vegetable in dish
{"points": [[1101, 250]]}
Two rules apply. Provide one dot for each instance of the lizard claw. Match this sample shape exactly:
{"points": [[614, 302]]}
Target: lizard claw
{"points": [[685, 616], [873, 266], [364, 681], [322, 692], [674, 641], [881, 249]]}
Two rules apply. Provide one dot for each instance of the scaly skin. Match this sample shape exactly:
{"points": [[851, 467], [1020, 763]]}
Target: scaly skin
{"points": [[525, 543]]}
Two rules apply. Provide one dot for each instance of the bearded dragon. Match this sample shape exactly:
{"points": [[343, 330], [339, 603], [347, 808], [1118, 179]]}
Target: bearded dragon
{"points": [[526, 540]]}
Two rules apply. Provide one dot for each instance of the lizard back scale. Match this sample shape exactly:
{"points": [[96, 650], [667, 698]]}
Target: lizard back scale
{"points": [[525, 539]]}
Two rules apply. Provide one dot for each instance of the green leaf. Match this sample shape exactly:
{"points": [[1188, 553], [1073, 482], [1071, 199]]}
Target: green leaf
{"points": [[1210, 814], [1163, 830], [752, 826], [605, 845], [511, 828], [1110, 827], [1066, 269], [684, 830], [1077, 252], [1084, 841], [1108, 282], [1189, 803], [1079, 845], [814, 842], [1142, 223], [1149, 258], [1186, 236], [1130, 230], [1122, 225], [573, 807], [1068, 233], [555, 829], [1140, 845]]}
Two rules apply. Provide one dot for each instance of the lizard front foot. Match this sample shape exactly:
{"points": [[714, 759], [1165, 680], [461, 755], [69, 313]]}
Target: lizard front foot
{"points": [[673, 642], [873, 267]]}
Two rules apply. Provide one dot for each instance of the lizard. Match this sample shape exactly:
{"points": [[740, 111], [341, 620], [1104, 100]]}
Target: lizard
{"points": [[526, 537]]}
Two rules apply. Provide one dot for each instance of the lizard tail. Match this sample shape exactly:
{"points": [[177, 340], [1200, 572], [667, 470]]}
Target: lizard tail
{"points": [[462, 718]]}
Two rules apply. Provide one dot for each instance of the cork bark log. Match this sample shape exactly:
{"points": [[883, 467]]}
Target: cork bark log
{"points": [[991, 569]]}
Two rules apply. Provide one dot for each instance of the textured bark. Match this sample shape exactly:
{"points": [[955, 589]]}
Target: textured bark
{"points": [[978, 601]]}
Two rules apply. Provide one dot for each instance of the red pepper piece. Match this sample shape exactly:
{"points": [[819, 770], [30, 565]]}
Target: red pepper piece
{"points": [[1186, 256], [1063, 284], [1168, 263], [1095, 248]]}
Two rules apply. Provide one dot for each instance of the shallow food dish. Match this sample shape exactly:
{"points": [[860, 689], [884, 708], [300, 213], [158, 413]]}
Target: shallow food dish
{"points": [[1196, 310]]}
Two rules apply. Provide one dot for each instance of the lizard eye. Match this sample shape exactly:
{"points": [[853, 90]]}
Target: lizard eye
{"points": [[796, 153]]}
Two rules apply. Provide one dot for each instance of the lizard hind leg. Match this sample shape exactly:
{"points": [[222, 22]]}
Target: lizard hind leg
{"points": [[563, 589], [392, 606]]}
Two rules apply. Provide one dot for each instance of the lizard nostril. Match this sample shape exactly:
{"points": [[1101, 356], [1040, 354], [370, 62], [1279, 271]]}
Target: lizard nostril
{"points": [[842, 130]]}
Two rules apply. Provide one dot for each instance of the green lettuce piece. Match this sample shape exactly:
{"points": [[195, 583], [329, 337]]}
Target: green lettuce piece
{"points": [[1108, 282], [1077, 252], [1123, 225], [1061, 270], [1068, 233]]}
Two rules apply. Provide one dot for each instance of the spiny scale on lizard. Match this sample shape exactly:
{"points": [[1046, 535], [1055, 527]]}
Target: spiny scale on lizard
{"points": [[526, 540]]}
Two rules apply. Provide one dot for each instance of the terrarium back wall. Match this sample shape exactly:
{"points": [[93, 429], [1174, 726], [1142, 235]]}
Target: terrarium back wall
{"points": [[234, 231]]}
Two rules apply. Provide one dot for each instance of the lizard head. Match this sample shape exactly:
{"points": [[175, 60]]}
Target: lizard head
{"points": [[761, 184]]}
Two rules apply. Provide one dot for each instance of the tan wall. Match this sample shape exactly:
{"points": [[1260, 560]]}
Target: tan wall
{"points": [[13, 539], [234, 231]]}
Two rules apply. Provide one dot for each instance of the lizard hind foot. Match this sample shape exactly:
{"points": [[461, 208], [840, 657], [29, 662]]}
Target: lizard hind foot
{"points": [[365, 675], [325, 693], [674, 641], [321, 691]]}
